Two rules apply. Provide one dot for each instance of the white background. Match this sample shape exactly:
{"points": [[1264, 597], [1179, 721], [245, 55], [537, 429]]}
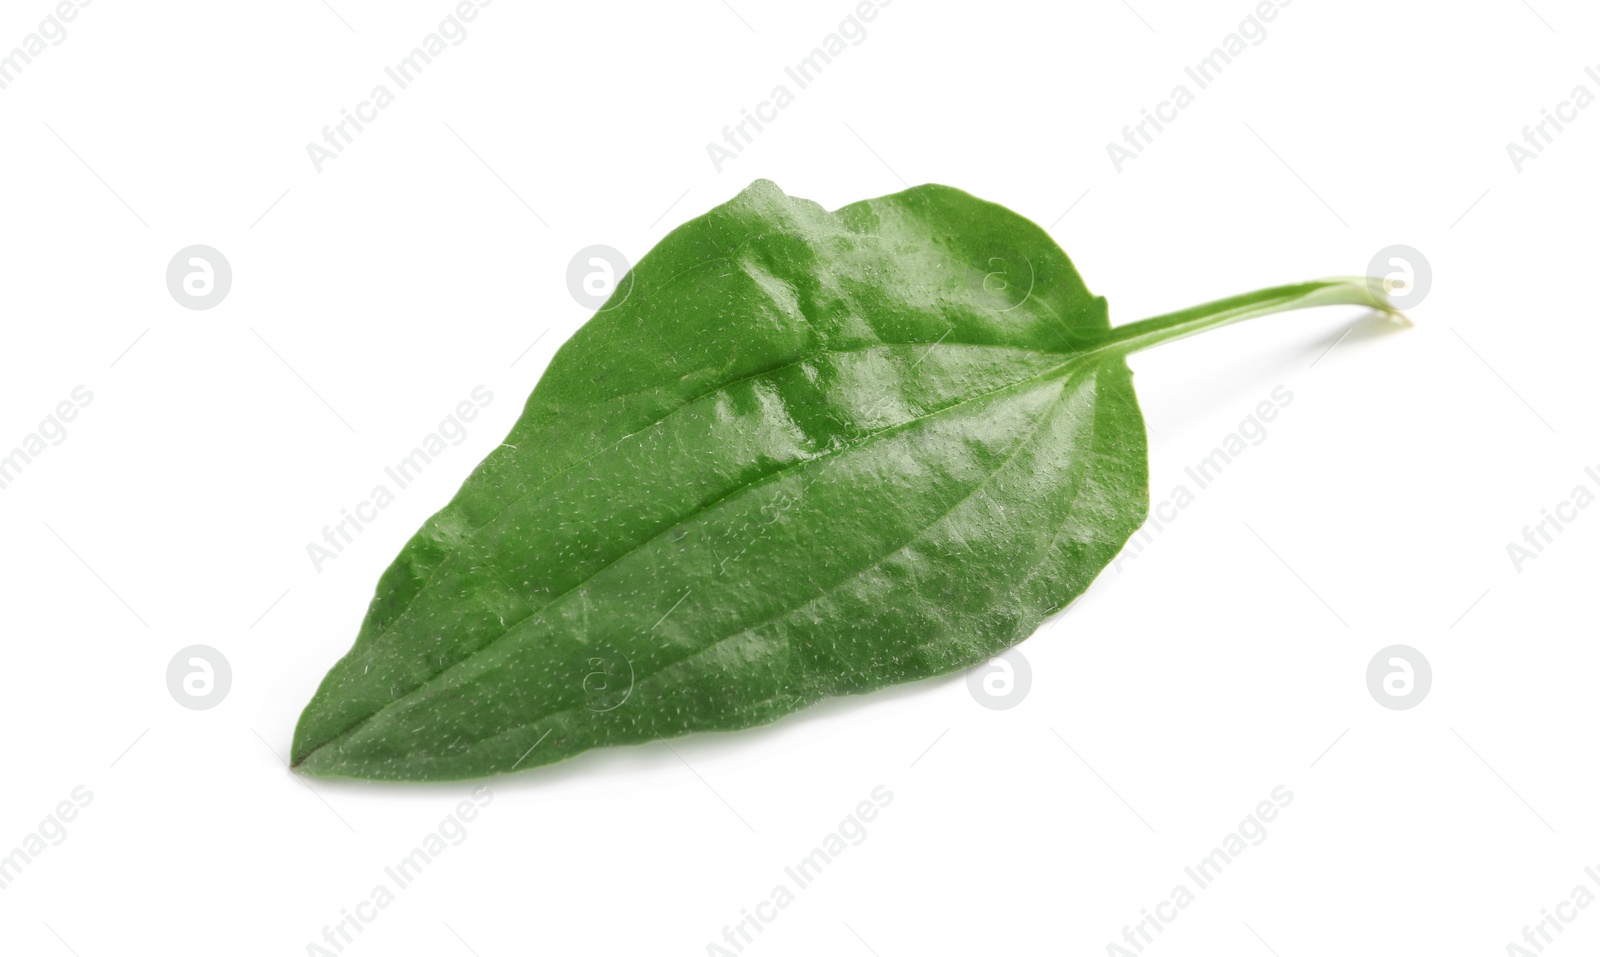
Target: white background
{"points": [[1227, 659]]}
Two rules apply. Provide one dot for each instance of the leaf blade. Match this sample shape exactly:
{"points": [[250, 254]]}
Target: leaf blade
{"points": [[796, 375]]}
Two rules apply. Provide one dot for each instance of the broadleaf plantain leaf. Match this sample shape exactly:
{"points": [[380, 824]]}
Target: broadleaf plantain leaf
{"points": [[799, 453]]}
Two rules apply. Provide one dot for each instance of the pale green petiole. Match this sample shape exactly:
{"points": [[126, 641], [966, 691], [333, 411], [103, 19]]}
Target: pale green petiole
{"points": [[1343, 291]]}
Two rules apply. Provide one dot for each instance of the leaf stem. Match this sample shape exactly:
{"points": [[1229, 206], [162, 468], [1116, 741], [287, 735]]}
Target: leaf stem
{"points": [[1344, 291]]}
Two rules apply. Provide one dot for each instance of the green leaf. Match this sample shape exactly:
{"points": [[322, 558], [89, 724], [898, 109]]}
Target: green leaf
{"points": [[798, 454]]}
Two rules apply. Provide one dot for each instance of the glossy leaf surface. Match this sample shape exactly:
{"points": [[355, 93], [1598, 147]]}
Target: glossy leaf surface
{"points": [[800, 453]]}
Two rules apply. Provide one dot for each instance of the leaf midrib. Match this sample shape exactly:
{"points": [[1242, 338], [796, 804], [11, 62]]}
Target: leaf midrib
{"points": [[1071, 360], [1023, 442]]}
